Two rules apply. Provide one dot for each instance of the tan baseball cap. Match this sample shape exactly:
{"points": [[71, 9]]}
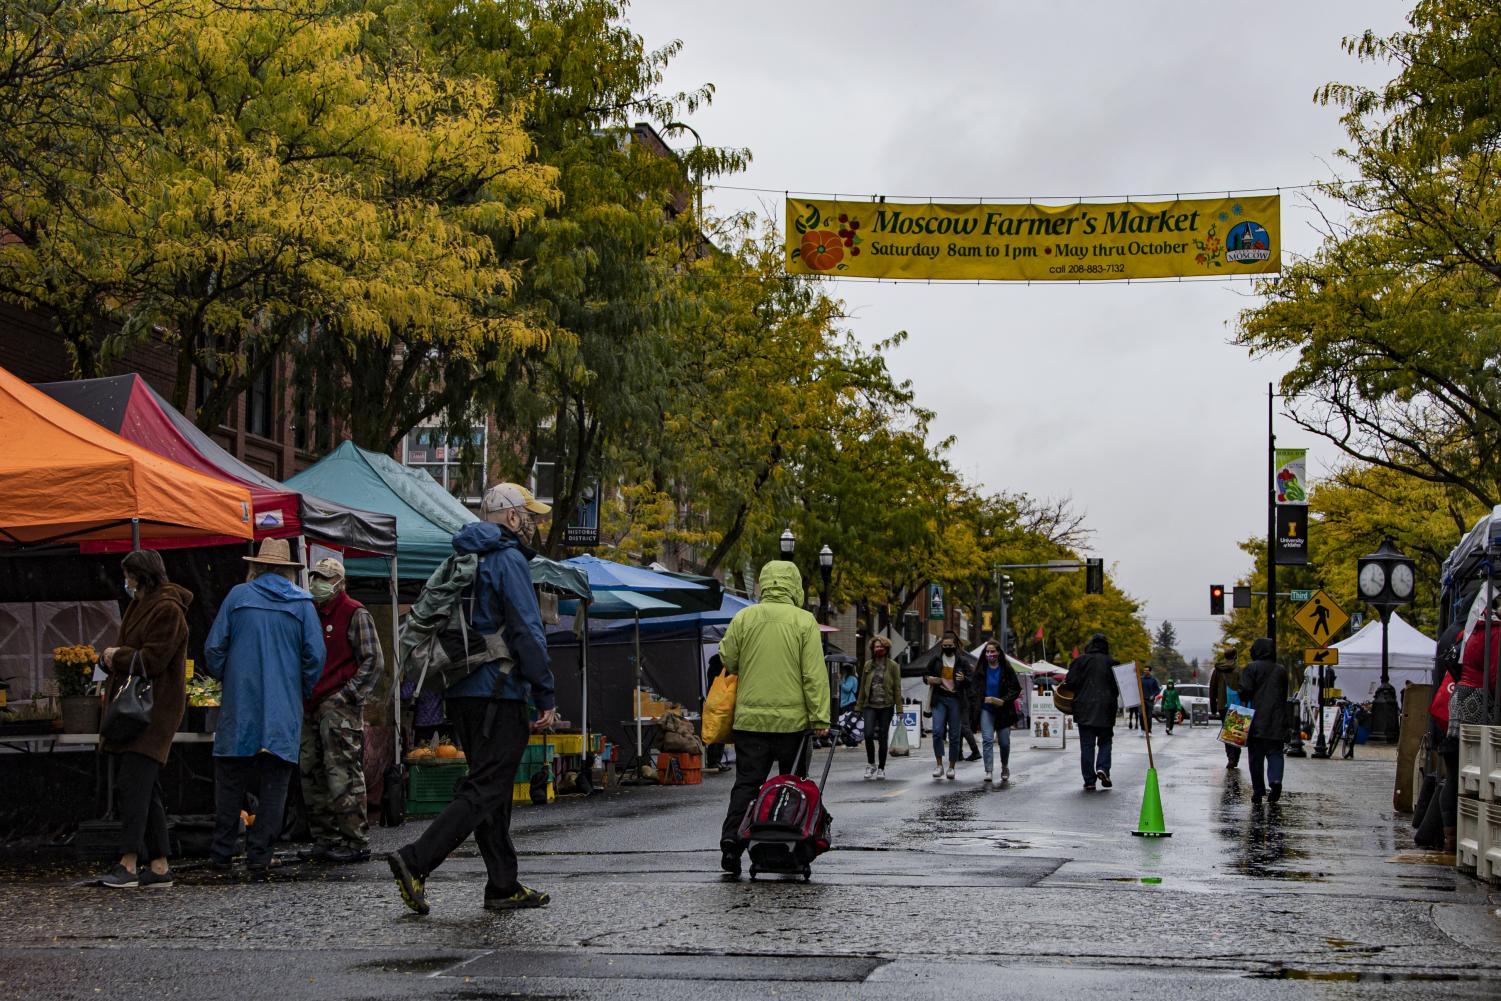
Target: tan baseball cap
{"points": [[504, 496], [329, 568]]}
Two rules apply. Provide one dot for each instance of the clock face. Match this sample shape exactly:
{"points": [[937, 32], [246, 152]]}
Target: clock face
{"points": [[1402, 580], [1372, 579]]}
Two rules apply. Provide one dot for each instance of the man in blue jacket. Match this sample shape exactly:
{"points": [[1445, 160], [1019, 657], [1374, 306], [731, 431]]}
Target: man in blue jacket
{"points": [[488, 708], [266, 646]]}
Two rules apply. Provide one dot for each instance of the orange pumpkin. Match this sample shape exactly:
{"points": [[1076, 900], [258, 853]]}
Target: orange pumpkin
{"points": [[448, 751], [822, 249]]}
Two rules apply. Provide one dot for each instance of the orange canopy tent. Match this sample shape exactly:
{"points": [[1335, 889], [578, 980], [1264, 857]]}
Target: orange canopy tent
{"points": [[65, 479]]}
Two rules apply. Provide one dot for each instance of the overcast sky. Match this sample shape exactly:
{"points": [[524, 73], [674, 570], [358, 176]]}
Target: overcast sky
{"points": [[1128, 399]]}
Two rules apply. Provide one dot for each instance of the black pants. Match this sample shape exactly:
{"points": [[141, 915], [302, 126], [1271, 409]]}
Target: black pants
{"points": [[755, 753], [1232, 755], [482, 802], [1170, 719], [138, 798], [877, 729], [1449, 791], [967, 734], [268, 777]]}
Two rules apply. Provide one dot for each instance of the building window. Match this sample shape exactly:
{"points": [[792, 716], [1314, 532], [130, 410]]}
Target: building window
{"points": [[260, 401], [455, 458], [544, 481]]}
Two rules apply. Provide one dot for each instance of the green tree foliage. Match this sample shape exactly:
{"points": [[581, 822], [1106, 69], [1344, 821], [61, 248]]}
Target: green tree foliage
{"points": [[1165, 660], [1393, 321]]}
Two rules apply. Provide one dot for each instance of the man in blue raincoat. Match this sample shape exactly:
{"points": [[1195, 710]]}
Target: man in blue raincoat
{"points": [[266, 646]]}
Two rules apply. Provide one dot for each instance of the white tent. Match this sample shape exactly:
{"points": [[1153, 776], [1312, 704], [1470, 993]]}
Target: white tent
{"points": [[1410, 658]]}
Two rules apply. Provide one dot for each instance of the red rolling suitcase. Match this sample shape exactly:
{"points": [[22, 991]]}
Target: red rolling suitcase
{"points": [[786, 826]]}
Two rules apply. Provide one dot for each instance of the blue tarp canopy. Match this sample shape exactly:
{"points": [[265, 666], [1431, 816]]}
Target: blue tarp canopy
{"points": [[677, 625]]}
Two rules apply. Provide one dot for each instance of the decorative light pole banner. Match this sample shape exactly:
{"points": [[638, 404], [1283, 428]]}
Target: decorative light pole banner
{"points": [[1081, 241], [1292, 475]]}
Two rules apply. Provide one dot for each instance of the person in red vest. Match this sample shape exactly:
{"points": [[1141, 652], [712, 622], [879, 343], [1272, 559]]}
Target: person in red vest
{"points": [[333, 735]]}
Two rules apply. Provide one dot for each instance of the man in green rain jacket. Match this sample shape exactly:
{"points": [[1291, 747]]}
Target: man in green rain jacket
{"points": [[782, 693]]}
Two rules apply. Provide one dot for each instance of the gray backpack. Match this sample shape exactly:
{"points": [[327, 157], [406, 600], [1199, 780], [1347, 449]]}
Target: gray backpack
{"points": [[438, 646]]}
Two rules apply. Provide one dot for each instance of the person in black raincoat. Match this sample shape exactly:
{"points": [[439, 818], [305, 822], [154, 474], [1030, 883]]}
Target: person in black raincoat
{"points": [[1263, 687], [1096, 696]]}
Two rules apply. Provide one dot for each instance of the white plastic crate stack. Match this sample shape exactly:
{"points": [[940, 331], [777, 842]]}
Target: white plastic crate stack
{"points": [[1478, 837]]}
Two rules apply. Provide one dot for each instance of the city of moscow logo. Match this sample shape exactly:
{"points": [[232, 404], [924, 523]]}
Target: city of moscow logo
{"points": [[1247, 243]]}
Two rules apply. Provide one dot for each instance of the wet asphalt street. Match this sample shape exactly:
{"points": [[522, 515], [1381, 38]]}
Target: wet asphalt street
{"points": [[937, 889]]}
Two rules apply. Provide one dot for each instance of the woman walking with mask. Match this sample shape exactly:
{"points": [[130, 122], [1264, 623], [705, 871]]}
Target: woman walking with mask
{"points": [[953, 670], [880, 693], [995, 687]]}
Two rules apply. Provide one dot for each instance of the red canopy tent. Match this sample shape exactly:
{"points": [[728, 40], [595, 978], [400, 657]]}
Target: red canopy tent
{"points": [[127, 405]]}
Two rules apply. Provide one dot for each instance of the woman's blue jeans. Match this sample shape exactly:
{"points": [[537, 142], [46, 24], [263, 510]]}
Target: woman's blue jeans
{"points": [[946, 725], [990, 734]]}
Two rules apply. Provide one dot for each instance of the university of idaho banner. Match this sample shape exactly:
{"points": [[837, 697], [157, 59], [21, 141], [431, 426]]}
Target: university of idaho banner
{"points": [[1083, 241]]}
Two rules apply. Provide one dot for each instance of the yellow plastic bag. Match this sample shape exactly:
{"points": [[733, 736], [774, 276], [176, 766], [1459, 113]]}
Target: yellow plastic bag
{"points": [[719, 710]]}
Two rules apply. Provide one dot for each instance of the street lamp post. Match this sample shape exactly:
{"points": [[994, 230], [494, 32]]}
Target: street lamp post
{"points": [[825, 573], [787, 543], [1385, 578]]}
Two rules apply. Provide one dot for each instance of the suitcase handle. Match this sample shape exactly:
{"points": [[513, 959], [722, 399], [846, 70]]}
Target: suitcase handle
{"points": [[806, 749]]}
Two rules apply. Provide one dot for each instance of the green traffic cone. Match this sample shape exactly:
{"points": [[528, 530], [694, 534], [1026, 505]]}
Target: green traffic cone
{"points": [[1151, 824]]}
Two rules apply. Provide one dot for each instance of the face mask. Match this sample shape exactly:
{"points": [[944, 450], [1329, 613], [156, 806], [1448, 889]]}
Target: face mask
{"points": [[130, 590], [948, 649], [321, 589], [992, 655]]}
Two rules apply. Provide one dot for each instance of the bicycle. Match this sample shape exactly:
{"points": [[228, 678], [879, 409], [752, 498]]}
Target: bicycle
{"points": [[1345, 726]]}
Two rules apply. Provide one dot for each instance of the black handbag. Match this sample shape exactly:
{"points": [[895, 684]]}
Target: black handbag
{"points": [[129, 712]]}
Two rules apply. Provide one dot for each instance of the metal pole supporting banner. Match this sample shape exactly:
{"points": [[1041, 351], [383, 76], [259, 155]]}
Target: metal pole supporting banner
{"points": [[135, 534], [1271, 523]]}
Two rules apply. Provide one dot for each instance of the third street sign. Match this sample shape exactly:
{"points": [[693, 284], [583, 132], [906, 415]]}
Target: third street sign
{"points": [[1321, 618]]}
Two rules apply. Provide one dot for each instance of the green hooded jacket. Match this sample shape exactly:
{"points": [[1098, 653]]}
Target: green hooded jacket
{"points": [[774, 647]]}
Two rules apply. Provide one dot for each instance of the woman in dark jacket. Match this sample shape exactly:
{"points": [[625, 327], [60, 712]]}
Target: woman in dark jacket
{"points": [[154, 643], [994, 687], [1263, 687], [880, 693]]}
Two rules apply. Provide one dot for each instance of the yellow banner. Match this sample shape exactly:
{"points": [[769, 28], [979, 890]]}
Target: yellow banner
{"points": [[1083, 241]]}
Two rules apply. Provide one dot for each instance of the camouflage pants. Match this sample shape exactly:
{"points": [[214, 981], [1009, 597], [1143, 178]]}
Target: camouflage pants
{"points": [[333, 773]]}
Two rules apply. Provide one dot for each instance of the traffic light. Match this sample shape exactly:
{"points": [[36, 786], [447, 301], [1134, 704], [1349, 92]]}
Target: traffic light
{"points": [[1216, 599], [1008, 588], [1094, 576], [1240, 596]]}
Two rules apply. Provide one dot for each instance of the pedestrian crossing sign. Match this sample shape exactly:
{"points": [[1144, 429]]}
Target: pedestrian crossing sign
{"points": [[1321, 618]]}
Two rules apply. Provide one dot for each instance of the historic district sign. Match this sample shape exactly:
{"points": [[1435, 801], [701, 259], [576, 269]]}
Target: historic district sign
{"points": [[1078, 241]]}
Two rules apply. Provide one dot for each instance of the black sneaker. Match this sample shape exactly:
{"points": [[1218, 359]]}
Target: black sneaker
{"points": [[120, 878], [730, 863], [346, 855], [1089, 787], [1256, 796], [149, 878], [1275, 793], [524, 897], [1104, 778], [258, 873], [413, 889]]}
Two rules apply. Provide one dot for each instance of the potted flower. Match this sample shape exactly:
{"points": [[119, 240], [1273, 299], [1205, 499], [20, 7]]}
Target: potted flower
{"points": [[203, 705], [74, 668]]}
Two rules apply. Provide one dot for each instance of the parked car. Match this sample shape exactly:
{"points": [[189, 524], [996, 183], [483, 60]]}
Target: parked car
{"points": [[1190, 695]]}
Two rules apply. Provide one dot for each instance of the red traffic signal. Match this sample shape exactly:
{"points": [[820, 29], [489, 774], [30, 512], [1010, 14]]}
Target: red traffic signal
{"points": [[1216, 599]]}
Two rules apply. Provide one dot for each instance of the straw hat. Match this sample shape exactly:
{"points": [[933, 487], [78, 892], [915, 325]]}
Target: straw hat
{"points": [[273, 553]]}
